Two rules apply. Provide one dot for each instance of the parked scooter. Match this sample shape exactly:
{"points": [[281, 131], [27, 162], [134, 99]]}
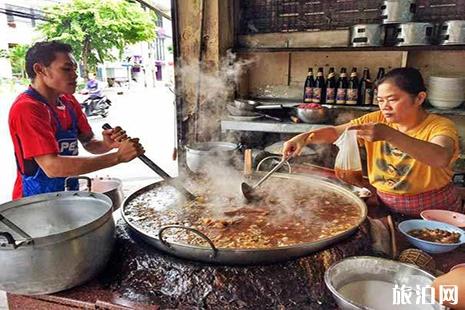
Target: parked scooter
{"points": [[97, 104]]}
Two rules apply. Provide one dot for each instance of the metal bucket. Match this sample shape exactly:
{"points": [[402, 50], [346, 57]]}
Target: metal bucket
{"points": [[352, 279], [55, 241]]}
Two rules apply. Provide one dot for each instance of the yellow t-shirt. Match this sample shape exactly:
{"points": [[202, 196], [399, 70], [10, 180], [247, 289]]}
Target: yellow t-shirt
{"points": [[392, 171]]}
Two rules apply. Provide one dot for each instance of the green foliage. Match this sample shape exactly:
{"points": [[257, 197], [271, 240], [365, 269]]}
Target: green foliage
{"points": [[98, 30], [17, 55], [3, 53]]}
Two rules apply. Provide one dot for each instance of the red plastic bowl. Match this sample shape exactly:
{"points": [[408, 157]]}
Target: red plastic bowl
{"points": [[449, 217]]}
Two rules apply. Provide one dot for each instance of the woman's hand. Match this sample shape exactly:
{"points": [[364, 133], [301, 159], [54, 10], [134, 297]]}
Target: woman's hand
{"points": [[294, 146], [373, 131], [113, 137]]}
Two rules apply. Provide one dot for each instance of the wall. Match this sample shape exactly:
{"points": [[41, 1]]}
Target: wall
{"points": [[282, 74], [202, 113]]}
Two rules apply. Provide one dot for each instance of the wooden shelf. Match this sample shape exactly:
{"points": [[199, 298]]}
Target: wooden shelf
{"points": [[352, 49], [267, 126]]}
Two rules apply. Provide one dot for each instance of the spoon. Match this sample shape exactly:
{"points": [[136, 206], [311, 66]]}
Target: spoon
{"points": [[249, 191]]}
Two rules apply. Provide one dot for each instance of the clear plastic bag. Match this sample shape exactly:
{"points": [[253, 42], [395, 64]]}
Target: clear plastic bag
{"points": [[348, 166]]}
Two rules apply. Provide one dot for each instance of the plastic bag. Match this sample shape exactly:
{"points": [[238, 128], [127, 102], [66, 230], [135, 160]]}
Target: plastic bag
{"points": [[348, 166]]}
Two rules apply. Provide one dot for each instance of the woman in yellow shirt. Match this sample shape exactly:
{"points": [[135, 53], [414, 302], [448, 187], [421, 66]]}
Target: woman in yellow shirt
{"points": [[410, 152]]}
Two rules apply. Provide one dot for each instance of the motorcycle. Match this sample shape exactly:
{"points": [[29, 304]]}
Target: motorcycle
{"points": [[96, 106]]}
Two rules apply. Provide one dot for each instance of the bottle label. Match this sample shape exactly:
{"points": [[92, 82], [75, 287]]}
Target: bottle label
{"points": [[352, 95], [341, 95], [316, 95], [308, 94], [368, 98], [330, 95], [375, 97]]}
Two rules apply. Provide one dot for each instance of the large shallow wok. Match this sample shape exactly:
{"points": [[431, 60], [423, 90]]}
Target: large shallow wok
{"points": [[213, 254]]}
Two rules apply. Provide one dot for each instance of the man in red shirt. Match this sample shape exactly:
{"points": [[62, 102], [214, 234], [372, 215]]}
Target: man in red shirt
{"points": [[46, 122]]}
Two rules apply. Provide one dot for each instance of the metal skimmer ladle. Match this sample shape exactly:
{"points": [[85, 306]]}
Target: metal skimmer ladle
{"points": [[249, 191]]}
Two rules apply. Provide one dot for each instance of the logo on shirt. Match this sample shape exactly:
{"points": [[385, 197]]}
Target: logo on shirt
{"points": [[395, 165], [68, 147]]}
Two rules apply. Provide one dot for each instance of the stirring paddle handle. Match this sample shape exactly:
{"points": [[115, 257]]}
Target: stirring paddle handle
{"points": [[281, 163], [160, 171]]}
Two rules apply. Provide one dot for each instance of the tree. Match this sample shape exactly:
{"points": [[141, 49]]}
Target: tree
{"points": [[95, 28], [17, 56]]}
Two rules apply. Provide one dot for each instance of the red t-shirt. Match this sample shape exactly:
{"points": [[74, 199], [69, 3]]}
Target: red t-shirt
{"points": [[32, 129]]}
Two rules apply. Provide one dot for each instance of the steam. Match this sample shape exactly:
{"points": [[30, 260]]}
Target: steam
{"points": [[343, 118], [217, 87]]}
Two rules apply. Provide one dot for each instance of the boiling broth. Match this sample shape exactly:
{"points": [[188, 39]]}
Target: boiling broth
{"points": [[289, 213]]}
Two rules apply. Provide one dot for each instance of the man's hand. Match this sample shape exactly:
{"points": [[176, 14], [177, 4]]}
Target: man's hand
{"points": [[372, 131], [129, 149], [113, 137]]}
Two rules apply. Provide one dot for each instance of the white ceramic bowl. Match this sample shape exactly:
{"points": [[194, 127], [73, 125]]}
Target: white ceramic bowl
{"points": [[445, 104], [447, 88]]}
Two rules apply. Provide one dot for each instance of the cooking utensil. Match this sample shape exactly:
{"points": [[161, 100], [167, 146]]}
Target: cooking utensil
{"points": [[392, 232], [365, 282], [201, 154], [312, 116], [277, 106], [111, 187], [412, 34], [244, 104], [452, 32], [366, 35], [235, 256], [249, 191], [175, 183], [397, 11], [428, 246], [234, 111], [55, 241]]}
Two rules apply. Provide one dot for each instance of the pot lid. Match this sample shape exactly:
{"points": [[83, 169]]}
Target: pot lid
{"points": [[53, 217]]}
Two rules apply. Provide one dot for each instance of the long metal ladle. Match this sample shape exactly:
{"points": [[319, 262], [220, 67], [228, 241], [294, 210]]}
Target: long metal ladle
{"points": [[172, 181], [249, 191]]}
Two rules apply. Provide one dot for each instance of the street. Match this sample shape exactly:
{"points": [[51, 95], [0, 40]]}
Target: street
{"points": [[146, 113]]}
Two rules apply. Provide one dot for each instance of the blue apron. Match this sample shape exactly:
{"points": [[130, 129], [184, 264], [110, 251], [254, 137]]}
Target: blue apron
{"points": [[38, 182]]}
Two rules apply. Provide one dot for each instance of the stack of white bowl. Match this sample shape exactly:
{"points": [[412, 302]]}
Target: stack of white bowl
{"points": [[446, 92]]}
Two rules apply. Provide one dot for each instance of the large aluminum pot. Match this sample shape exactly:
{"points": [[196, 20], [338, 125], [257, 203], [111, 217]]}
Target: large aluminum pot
{"points": [[201, 154], [397, 11], [55, 241], [452, 32], [365, 283], [412, 34]]}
